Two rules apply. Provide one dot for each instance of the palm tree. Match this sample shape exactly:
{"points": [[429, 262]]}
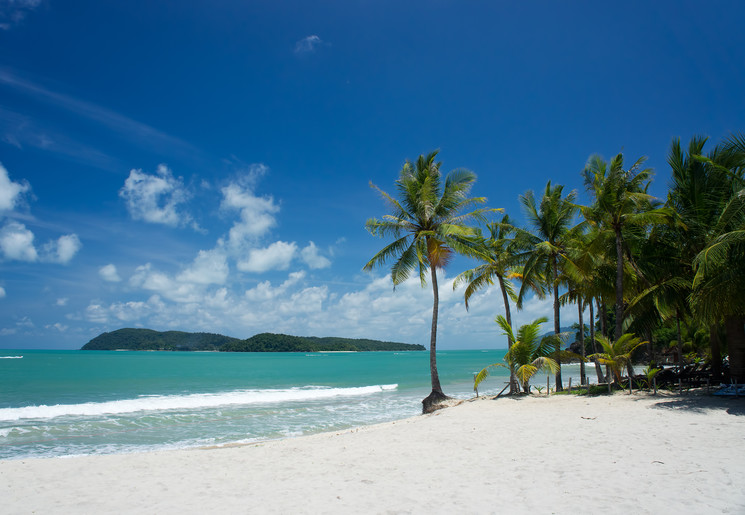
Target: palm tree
{"points": [[527, 355], [719, 268], [705, 193], [546, 247], [621, 205], [428, 223], [617, 354], [499, 257]]}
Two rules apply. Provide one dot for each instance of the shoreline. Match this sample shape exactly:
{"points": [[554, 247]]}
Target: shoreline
{"points": [[622, 454]]}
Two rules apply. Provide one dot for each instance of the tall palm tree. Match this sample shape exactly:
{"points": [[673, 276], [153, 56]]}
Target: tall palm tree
{"points": [[428, 223], [621, 206], [527, 355], [546, 246], [498, 255]]}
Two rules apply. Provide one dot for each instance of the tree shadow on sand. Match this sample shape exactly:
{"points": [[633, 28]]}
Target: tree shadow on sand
{"points": [[703, 403]]}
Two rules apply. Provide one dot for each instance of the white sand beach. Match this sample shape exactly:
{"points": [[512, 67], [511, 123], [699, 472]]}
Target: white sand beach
{"points": [[625, 454]]}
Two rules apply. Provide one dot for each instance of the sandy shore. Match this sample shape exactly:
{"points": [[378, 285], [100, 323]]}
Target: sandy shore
{"points": [[563, 454]]}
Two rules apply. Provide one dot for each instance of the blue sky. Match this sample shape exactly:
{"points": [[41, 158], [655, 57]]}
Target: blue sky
{"points": [[204, 166]]}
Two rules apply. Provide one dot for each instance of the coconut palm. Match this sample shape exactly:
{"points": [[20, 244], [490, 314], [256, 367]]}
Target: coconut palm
{"points": [[617, 354], [498, 255], [715, 213], [546, 246], [528, 353], [428, 223], [621, 206]]}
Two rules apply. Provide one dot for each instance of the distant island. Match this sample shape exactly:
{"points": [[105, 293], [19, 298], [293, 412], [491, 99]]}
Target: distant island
{"points": [[147, 339]]}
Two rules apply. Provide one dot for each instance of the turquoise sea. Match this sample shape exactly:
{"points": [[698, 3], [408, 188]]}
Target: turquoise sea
{"points": [[67, 403]]}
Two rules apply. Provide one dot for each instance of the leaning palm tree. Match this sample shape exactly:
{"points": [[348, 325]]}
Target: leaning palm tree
{"points": [[498, 256], [428, 223], [546, 246], [528, 354]]}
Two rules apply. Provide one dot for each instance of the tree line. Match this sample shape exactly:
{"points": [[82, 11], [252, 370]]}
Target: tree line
{"points": [[650, 270]]}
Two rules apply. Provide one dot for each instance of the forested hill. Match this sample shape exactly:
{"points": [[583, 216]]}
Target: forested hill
{"points": [[269, 342], [147, 339]]}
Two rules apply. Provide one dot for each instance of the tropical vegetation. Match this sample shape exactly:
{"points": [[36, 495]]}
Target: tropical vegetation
{"points": [[528, 354], [662, 278]]}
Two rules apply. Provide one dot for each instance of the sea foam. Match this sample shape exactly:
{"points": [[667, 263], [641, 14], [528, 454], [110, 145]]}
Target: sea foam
{"points": [[189, 401]]}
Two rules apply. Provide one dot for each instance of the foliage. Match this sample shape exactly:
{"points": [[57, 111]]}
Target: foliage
{"points": [[616, 354], [528, 353]]}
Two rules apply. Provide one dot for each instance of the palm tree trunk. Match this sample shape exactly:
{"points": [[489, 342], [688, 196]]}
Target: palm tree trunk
{"points": [[514, 386], [650, 346], [598, 368], [716, 353], [735, 329], [679, 346], [436, 395], [604, 331], [619, 284], [557, 321], [580, 308]]}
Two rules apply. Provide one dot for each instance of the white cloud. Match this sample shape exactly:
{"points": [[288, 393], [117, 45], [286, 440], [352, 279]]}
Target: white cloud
{"points": [[17, 242], [155, 198], [147, 278], [308, 45], [62, 301], [10, 192], [264, 291], [2, 292], [109, 273], [256, 213], [209, 267], [276, 256], [312, 258], [63, 250]]}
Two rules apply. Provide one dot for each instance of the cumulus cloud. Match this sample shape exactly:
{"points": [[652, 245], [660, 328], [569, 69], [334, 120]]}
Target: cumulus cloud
{"points": [[312, 258], [209, 267], [109, 273], [10, 192], [308, 45], [256, 214], [17, 242], [62, 250], [156, 198], [264, 290], [62, 301], [147, 278], [276, 256]]}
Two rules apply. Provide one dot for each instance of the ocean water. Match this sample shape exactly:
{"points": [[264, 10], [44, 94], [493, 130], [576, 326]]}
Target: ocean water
{"points": [[69, 403]]}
